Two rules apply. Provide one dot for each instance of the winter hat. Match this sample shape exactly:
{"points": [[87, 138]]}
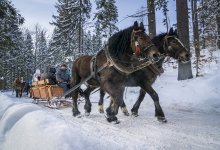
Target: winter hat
{"points": [[37, 71]]}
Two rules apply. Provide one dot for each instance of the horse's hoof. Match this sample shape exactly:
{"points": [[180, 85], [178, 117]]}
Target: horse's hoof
{"points": [[135, 114], [162, 119], [87, 113], [76, 113], [101, 111], [117, 121], [112, 119], [126, 113]]}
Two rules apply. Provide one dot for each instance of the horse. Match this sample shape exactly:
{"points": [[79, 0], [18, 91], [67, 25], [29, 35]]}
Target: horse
{"points": [[18, 85], [168, 45], [127, 51]]}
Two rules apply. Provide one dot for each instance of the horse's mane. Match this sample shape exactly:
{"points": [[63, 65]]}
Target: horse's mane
{"points": [[157, 39], [120, 43]]}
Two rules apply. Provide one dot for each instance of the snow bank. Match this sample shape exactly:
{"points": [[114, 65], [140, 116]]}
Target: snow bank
{"points": [[46, 132], [4, 103], [26, 126], [197, 94]]}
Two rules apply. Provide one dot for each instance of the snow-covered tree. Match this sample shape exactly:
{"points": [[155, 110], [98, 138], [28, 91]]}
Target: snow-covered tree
{"points": [[42, 50], [107, 15], [70, 23], [29, 56], [97, 38], [209, 17], [11, 42], [87, 45]]}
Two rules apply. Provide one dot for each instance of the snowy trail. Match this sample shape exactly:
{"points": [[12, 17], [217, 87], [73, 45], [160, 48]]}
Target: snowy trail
{"points": [[184, 130]]}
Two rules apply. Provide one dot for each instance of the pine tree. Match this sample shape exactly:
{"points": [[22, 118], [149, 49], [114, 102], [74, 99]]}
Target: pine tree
{"points": [[97, 38], [29, 56], [88, 43], [10, 41], [107, 16], [70, 23], [43, 50], [55, 51], [209, 17]]}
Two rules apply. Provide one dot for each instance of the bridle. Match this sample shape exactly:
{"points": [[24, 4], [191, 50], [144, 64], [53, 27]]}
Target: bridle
{"points": [[137, 44], [166, 44]]}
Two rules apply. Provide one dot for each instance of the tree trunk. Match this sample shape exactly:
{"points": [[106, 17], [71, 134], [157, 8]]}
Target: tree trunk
{"points": [[151, 18], [80, 29], [218, 30], [195, 34], [184, 70], [203, 27]]}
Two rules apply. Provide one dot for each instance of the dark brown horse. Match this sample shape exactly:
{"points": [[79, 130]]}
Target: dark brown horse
{"points": [[18, 86], [122, 52], [168, 45]]}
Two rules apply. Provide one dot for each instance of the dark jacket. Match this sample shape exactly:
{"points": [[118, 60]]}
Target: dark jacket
{"points": [[62, 76], [50, 74]]}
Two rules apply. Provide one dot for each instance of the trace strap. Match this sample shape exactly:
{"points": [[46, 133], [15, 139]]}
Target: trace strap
{"points": [[83, 81]]}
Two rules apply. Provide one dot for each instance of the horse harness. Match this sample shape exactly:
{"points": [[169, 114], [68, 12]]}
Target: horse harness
{"points": [[110, 62], [166, 44], [121, 68]]}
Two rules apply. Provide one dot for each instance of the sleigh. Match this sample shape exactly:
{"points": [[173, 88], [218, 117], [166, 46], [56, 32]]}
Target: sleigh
{"points": [[43, 91]]}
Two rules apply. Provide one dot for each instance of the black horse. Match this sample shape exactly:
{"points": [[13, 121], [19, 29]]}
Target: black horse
{"points": [[168, 45], [120, 58]]}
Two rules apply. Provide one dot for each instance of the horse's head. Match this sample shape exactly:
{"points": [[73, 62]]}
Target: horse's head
{"points": [[141, 43], [175, 48]]}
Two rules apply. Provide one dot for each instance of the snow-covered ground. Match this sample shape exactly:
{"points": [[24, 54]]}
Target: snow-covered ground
{"points": [[192, 108]]}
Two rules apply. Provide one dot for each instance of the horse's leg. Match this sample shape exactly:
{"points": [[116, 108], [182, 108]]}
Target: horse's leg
{"points": [[16, 91], [74, 94], [136, 106], [101, 100], [21, 92], [75, 110], [123, 107], [158, 110], [117, 98], [88, 104]]}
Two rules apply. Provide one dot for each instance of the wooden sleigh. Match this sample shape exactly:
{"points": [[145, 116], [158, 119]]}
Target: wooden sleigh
{"points": [[43, 91]]}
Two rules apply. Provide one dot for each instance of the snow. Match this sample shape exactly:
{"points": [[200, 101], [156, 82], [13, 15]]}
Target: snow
{"points": [[192, 108]]}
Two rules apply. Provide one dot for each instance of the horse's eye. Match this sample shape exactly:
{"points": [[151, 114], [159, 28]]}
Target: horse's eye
{"points": [[174, 41], [141, 38]]}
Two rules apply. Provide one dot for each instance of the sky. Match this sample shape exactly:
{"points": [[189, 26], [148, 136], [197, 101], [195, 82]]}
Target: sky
{"points": [[41, 11]]}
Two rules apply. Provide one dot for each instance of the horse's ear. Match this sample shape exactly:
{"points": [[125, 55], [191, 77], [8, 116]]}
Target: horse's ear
{"points": [[135, 25], [171, 31], [142, 25]]}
